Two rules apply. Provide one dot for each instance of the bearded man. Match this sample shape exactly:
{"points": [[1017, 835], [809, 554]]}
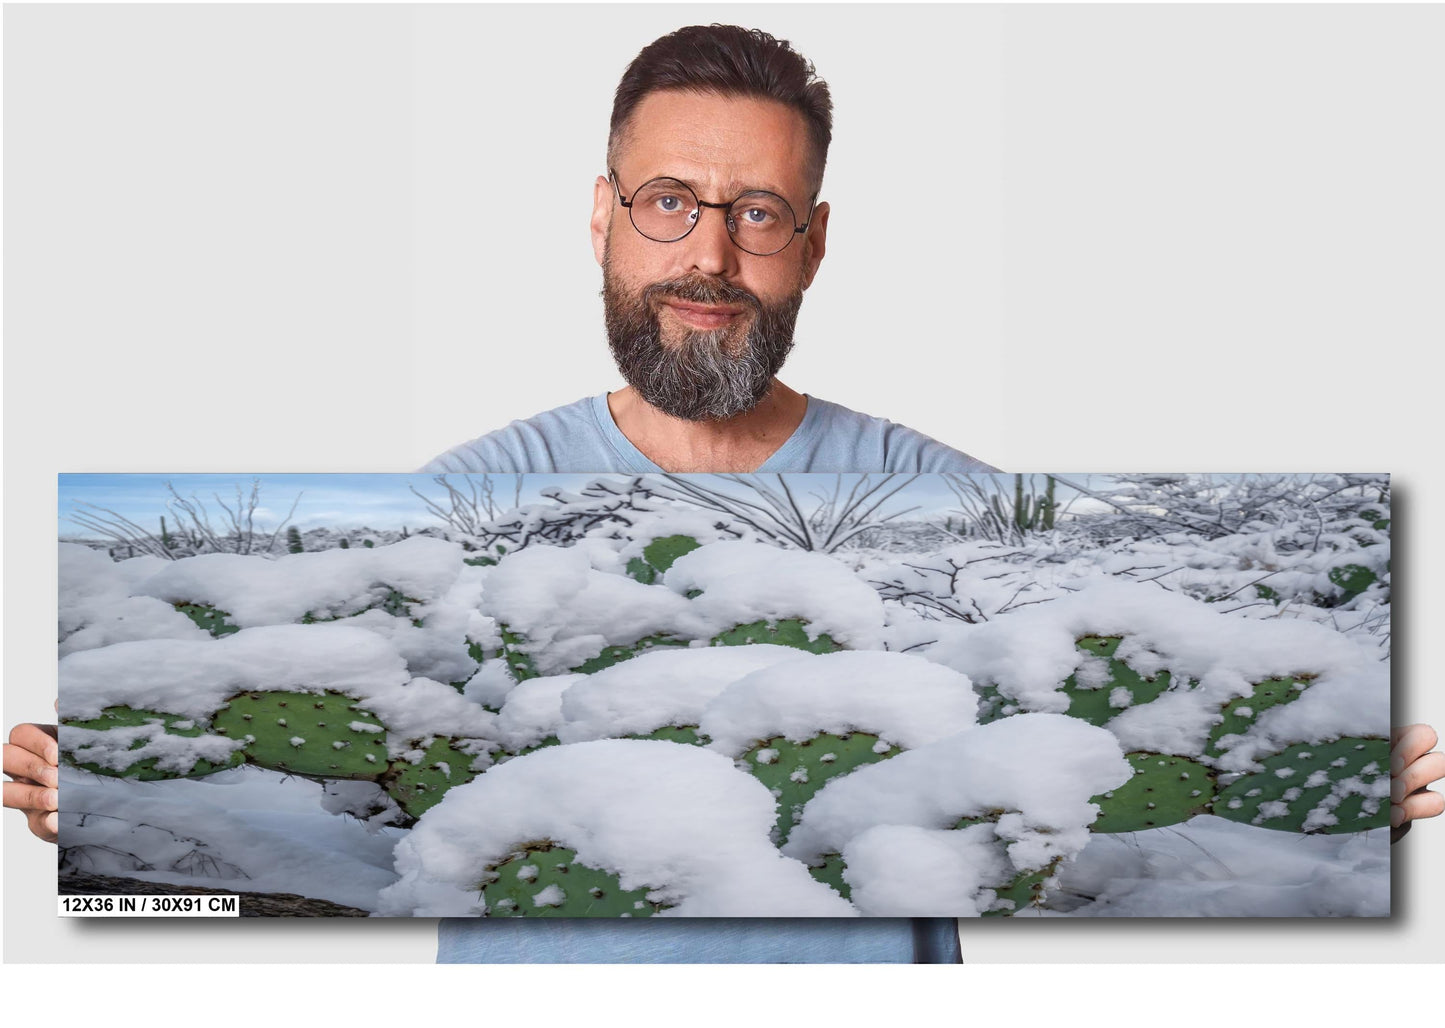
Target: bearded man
{"points": [[709, 229]]}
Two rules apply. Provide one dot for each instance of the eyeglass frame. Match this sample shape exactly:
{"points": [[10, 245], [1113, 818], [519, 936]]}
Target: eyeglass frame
{"points": [[732, 235]]}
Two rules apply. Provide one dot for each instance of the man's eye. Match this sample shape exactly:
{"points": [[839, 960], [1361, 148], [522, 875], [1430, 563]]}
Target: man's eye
{"points": [[669, 204], [756, 216]]}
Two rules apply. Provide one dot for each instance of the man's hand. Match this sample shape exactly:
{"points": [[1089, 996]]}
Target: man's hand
{"points": [[1412, 768], [32, 759]]}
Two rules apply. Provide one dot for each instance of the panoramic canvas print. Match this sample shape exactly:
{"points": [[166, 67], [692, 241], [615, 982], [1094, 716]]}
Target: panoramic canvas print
{"points": [[1119, 695]]}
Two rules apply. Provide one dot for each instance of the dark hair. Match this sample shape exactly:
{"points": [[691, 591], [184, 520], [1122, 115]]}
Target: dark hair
{"points": [[731, 61]]}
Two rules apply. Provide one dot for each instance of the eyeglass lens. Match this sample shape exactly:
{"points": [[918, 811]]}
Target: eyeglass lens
{"points": [[665, 210]]}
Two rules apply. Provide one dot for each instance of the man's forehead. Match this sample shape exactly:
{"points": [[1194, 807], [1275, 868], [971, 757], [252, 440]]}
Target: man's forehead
{"points": [[716, 142]]}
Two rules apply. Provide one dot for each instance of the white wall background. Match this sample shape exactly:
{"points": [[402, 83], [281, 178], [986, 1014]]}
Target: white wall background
{"points": [[346, 238]]}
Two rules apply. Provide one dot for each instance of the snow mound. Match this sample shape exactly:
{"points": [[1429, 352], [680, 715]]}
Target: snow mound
{"points": [[567, 611], [742, 582], [1039, 770], [675, 819], [664, 687], [331, 583], [903, 699]]}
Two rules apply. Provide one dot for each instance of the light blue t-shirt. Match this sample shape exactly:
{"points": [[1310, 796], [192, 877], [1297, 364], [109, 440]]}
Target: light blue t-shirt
{"points": [[581, 438]]}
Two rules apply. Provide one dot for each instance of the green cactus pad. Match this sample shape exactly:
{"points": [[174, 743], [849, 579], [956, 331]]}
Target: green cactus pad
{"points": [[146, 770], [1352, 580], [1024, 890], [992, 704], [795, 771], [329, 746], [662, 553], [830, 873], [1093, 705], [642, 571], [617, 654], [210, 618], [788, 632], [658, 556], [1278, 797], [419, 787], [522, 666], [1240, 713], [1165, 790], [543, 879], [685, 734]]}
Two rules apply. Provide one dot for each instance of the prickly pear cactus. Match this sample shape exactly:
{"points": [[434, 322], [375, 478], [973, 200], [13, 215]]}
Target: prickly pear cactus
{"points": [[325, 735], [1332, 787], [1165, 790], [795, 771], [830, 873], [659, 555], [217, 622], [543, 879], [1026, 889], [685, 734], [1098, 705], [1351, 580], [395, 603], [617, 654], [1240, 713], [521, 664], [787, 632], [144, 770], [419, 786]]}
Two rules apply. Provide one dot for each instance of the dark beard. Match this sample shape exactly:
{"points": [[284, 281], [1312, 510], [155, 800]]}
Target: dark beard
{"points": [[702, 379]]}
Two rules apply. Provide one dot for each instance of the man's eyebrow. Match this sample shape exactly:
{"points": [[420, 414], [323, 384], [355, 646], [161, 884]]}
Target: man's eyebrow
{"points": [[733, 190]]}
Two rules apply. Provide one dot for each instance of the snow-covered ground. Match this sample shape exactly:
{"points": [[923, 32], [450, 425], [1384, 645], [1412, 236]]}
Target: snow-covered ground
{"points": [[914, 718]]}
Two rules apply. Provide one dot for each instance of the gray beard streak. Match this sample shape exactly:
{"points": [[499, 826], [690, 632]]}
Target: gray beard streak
{"points": [[699, 380]]}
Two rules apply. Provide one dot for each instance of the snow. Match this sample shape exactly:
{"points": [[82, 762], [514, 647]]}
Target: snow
{"points": [[569, 612], [994, 767], [1211, 867], [243, 829], [193, 678], [534, 711], [331, 583], [663, 687], [901, 698], [745, 582], [678, 820], [1029, 654], [686, 822]]}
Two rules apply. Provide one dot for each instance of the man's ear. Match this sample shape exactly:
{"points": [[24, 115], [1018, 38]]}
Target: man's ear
{"points": [[816, 242], [601, 216]]}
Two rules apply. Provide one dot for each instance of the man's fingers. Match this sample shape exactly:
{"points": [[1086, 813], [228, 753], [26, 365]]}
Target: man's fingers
{"points": [[38, 739], [44, 825], [1415, 806], [1408, 744], [27, 764], [25, 797], [1419, 775]]}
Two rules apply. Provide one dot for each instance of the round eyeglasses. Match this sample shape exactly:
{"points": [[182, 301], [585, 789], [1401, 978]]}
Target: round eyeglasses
{"points": [[758, 222]]}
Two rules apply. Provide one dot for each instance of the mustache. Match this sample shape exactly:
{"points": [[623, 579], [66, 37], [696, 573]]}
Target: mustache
{"points": [[701, 289]]}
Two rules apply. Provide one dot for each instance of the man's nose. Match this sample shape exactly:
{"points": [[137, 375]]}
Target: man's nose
{"points": [[709, 246]]}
